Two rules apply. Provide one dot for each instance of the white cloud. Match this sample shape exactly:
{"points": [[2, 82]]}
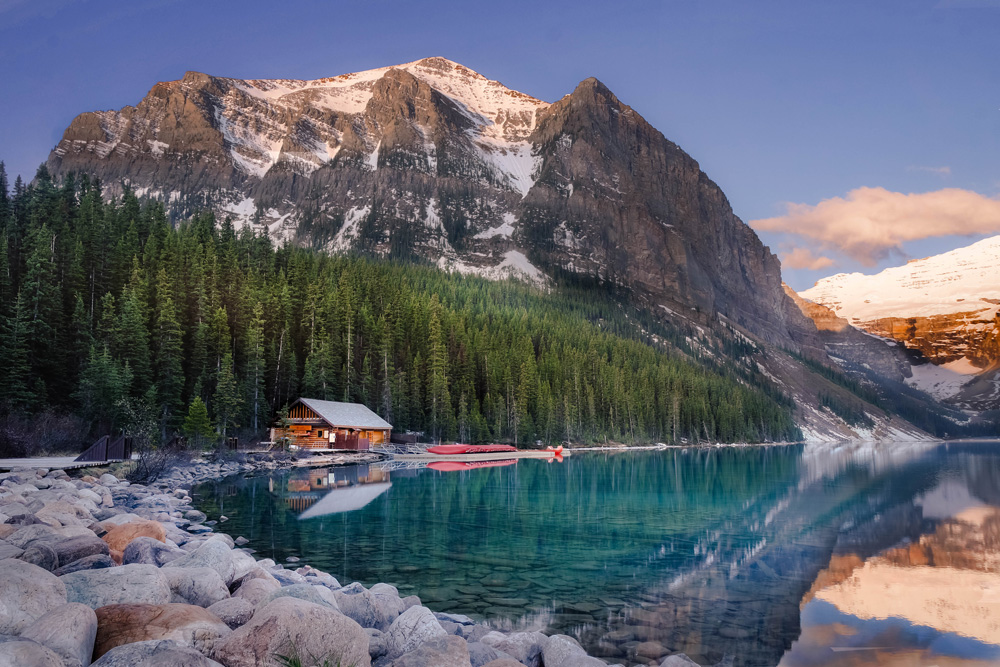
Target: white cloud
{"points": [[804, 258], [870, 223]]}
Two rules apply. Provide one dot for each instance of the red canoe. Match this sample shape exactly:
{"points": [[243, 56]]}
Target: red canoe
{"points": [[451, 450]]}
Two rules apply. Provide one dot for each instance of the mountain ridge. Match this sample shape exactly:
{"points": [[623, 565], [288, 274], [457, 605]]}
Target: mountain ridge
{"points": [[434, 160]]}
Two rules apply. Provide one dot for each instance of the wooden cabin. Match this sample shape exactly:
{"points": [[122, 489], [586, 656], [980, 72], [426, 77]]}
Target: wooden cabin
{"points": [[316, 424]]}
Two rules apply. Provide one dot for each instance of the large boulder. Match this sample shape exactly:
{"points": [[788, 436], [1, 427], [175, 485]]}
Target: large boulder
{"points": [[375, 608], [214, 554], [412, 628], [36, 531], [256, 590], [42, 554], [74, 548], [503, 662], [525, 647], [678, 660], [149, 551], [295, 628], [156, 653], [21, 652], [9, 551], [96, 562], [27, 592], [69, 631], [234, 612], [447, 651], [119, 624], [201, 586], [481, 654], [128, 584], [120, 536], [564, 651], [316, 594]]}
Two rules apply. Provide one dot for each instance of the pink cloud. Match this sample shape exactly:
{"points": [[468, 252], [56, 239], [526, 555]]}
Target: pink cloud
{"points": [[870, 223], [803, 258]]}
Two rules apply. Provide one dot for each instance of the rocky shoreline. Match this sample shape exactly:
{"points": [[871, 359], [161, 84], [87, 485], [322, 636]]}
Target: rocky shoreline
{"points": [[100, 571]]}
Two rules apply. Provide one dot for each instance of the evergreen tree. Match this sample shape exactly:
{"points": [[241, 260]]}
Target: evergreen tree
{"points": [[169, 354], [197, 426], [227, 400]]}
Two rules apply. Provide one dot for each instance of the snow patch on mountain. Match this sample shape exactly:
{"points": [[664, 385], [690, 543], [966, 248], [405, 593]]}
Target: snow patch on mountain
{"points": [[505, 230], [960, 281], [514, 265], [348, 233]]}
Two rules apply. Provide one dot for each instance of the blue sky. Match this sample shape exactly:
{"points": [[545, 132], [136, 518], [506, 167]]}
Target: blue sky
{"points": [[797, 101]]}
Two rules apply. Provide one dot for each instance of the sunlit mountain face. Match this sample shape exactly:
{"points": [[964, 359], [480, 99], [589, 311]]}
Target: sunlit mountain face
{"points": [[929, 600]]}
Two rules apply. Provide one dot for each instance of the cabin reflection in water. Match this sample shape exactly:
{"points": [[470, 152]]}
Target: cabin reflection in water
{"points": [[322, 491]]}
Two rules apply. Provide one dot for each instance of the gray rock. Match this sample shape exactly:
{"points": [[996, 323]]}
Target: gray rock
{"points": [[240, 541], [480, 654], [315, 594], [440, 652], [149, 551], [156, 653], [234, 612], [117, 585], [80, 546], [213, 554], [368, 608], [194, 516], [95, 562], [27, 592], [679, 660], [15, 510], [9, 551], [42, 554], [107, 479], [201, 586], [564, 651], [256, 590], [69, 631], [376, 643], [21, 652], [412, 628], [292, 627], [29, 533], [525, 647]]}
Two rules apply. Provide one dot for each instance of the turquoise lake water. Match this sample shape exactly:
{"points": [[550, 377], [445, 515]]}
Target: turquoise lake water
{"points": [[774, 555]]}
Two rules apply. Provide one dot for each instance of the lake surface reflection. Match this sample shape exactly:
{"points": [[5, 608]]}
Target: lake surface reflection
{"points": [[771, 555]]}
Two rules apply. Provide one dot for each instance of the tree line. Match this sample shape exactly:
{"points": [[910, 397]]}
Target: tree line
{"points": [[111, 313]]}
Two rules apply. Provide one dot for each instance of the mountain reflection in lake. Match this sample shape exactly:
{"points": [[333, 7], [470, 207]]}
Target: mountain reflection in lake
{"points": [[771, 554]]}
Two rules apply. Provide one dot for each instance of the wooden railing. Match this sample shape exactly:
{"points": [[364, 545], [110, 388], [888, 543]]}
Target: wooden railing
{"points": [[104, 450]]}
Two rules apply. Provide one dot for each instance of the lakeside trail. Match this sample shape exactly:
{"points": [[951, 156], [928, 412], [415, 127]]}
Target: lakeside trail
{"points": [[131, 574]]}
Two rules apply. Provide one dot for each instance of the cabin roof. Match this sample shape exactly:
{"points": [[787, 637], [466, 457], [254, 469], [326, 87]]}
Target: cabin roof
{"points": [[346, 415]]}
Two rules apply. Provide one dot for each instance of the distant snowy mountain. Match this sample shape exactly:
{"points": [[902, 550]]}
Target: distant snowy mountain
{"points": [[945, 306]]}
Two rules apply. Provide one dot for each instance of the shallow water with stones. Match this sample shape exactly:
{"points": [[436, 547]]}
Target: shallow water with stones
{"points": [[770, 554]]}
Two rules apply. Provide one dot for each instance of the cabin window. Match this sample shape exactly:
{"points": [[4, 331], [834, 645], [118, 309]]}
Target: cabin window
{"points": [[320, 433]]}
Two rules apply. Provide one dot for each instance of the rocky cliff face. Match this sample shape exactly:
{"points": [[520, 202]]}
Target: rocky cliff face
{"points": [[433, 160], [845, 343]]}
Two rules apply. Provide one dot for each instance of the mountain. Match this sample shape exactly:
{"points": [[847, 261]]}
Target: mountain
{"points": [[432, 160], [945, 308]]}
